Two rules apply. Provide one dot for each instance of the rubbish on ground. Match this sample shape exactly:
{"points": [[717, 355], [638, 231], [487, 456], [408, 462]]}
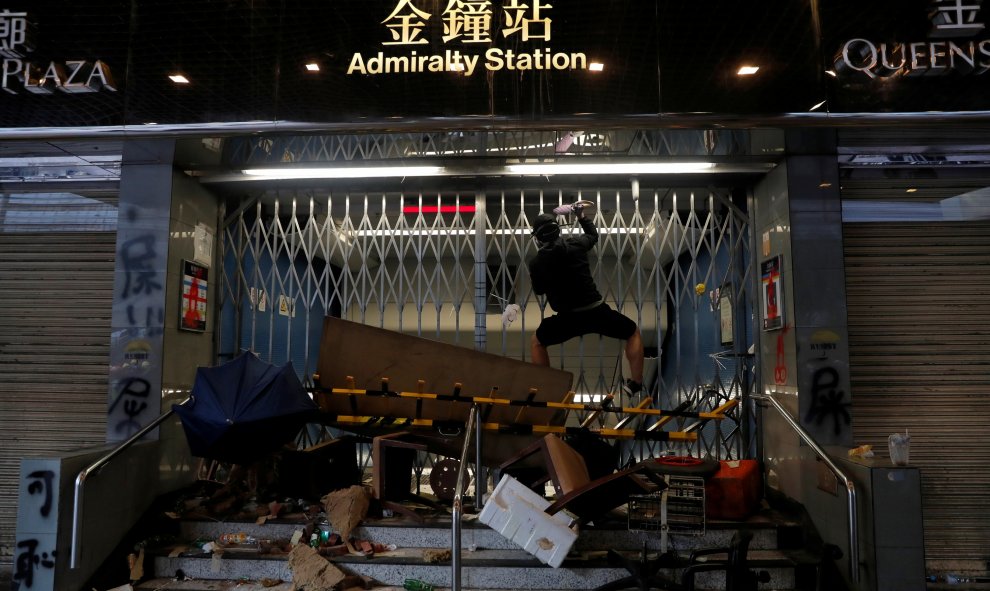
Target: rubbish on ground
{"points": [[900, 448], [136, 564], [863, 451], [238, 538], [346, 508], [436, 555], [355, 582], [519, 514], [416, 585], [312, 572]]}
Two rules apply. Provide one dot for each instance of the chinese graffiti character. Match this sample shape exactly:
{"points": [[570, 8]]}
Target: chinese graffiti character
{"points": [[13, 32], [469, 19], [406, 23], [522, 17], [137, 254], [956, 18], [828, 401], [134, 392], [42, 483], [27, 562]]}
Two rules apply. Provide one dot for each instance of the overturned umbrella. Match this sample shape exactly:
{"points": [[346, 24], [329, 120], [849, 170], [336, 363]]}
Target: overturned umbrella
{"points": [[243, 409]]}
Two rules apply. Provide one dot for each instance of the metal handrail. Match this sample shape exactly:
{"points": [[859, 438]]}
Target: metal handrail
{"points": [[84, 474], [850, 485], [455, 544]]}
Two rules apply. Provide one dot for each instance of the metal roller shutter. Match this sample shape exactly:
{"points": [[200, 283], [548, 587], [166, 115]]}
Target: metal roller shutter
{"points": [[56, 294], [919, 340]]}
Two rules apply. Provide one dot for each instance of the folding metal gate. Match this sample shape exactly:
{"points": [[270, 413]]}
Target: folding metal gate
{"points": [[447, 265]]}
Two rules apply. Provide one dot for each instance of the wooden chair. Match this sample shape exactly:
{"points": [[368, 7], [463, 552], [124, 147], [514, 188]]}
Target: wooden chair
{"points": [[394, 455], [576, 491]]}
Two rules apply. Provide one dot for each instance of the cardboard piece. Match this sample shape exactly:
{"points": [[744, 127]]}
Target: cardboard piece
{"points": [[346, 509], [312, 572]]}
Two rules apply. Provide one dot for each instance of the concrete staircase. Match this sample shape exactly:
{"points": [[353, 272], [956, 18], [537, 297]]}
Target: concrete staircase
{"points": [[488, 560]]}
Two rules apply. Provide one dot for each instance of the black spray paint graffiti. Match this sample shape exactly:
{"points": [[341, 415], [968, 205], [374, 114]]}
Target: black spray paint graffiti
{"points": [[42, 482], [828, 401], [29, 561], [140, 277], [133, 392], [143, 284]]}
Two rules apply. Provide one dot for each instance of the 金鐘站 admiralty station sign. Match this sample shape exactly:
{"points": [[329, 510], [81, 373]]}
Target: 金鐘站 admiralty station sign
{"points": [[20, 73], [466, 25], [956, 44]]}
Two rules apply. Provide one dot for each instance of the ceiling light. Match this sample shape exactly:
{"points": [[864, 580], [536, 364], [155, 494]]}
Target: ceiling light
{"points": [[178, 78], [748, 70], [345, 172], [832, 73], [596, 66], [610, 168], [817, 106], [911, 190], [824, 185], [313, 67], [512, 169]]}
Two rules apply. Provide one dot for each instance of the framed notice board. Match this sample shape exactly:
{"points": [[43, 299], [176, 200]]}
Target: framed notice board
{"points": [[192, 303]]}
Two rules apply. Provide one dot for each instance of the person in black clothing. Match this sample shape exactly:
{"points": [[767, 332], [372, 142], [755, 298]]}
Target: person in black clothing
{"points": [[560, 270]]}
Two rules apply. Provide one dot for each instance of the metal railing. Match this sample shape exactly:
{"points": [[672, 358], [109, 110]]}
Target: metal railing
{"points": [[850, 485], [455, 544], [77, 501]]}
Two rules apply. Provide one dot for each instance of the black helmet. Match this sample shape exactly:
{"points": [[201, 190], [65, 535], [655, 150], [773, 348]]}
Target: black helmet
{"points": [[545, 228]]}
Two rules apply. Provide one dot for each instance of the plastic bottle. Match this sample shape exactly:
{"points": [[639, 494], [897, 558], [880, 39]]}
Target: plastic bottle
{"points": [[416, 585], [238, 538]]}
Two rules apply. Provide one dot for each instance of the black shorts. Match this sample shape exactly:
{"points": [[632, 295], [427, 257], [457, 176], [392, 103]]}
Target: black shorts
{"points": [[601, 320]]}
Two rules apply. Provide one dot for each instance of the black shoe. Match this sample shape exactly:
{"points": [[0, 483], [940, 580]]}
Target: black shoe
{"points": [[631, 388]]}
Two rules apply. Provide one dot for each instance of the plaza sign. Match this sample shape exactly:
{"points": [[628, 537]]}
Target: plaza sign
{"points": [[468, 24], [944, 52], [18, 72]]}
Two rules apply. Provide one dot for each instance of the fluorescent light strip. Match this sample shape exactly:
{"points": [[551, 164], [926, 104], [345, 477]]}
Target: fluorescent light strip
{"points": [[511, 169], [345, 173], [611, 168], [511, 232]]}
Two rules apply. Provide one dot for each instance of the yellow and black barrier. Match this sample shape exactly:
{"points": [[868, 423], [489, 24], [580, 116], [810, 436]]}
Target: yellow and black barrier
{"points": [[459, 426], [717, 414]]}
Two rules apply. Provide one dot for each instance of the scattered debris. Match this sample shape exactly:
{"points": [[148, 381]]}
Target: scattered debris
{"points": [[356, 582], [346, 508], [136, 564], [434, 556], [266, 582], [312, 572], [863, 451]]}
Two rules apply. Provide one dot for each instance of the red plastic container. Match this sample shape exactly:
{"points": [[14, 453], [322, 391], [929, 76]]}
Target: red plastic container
{"points": [[734, 492]]}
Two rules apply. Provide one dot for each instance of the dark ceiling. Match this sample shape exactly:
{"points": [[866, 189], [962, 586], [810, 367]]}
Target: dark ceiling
{"points": [[663, 58]]}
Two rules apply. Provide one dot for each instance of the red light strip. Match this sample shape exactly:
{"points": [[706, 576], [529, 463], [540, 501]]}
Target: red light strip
{"points": [[438, 209]]}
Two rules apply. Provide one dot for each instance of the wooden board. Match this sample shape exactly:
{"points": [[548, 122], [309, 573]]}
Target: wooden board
{"points": [[369, 354]]}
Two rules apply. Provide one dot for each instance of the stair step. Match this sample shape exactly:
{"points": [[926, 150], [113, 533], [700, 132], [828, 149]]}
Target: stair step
{"points": [[435, 532], [502, 569]]}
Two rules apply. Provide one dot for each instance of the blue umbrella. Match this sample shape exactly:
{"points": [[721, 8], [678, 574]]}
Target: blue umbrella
{"points": [[243, 409]]}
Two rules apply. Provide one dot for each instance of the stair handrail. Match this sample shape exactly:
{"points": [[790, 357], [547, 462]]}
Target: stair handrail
{"points": [[77, 500], [455, 544], [853, 522]]}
